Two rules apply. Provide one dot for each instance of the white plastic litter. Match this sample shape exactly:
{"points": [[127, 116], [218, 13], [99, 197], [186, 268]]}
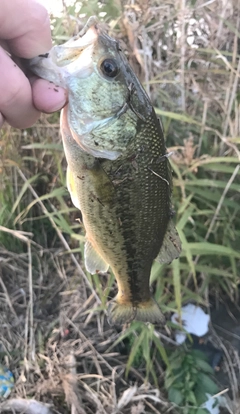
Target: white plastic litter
{"points": [[213, 404], [17, 405], [195, 321]]}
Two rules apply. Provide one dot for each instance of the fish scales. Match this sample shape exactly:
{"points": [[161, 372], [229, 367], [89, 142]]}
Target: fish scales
{"points": [[118, 170], [139, 225]]}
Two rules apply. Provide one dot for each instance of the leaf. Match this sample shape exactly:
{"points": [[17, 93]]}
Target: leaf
{"points": [[176, 116], [134, 351], [184, 206], [204, 366], [191, 398], [126, 397], [206, 248], [197, 353], [23, 190], [207, 384], [56, 192], [208, 195], [213, 51], [44, 146], [208, 270], [135, 326], [230, 26], [208, 183], [161, 350], [156, 271], [185, 217], [176, 363], [175, 396], [79, 237], [177, 285], [202, 162], [188, 253]]}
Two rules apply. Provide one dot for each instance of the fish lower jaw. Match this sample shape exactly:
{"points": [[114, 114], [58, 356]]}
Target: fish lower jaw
{"points": [[120, 313]]}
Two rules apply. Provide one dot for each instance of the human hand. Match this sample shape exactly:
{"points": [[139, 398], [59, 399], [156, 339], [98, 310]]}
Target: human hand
{"points": [[25, 33]]}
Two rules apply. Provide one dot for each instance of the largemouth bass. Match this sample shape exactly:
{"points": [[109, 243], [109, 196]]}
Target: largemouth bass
{"points": [[118, 169]]}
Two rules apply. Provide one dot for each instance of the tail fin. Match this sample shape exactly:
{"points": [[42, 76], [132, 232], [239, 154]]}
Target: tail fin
{"points": [[120, 313]]}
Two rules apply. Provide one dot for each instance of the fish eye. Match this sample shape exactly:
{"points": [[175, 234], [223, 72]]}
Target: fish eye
{"points": [[109, 68]]}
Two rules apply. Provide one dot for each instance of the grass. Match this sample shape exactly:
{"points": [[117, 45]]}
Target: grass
{"points": [[51, 309]]}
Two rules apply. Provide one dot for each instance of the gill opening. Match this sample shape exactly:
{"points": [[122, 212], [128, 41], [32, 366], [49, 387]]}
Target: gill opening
{"points": [[128, 105]]}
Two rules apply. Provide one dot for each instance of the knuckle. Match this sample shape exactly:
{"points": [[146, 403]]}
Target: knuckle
{"points": [[39, 16], [11, 96]]}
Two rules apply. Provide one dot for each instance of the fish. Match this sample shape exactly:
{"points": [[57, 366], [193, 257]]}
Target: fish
{"points": [[118, 173]]}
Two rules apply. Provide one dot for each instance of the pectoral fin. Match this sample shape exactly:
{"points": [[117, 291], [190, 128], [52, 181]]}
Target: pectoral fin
{"points": [[72, 189], [94, 263], [171, 247]]}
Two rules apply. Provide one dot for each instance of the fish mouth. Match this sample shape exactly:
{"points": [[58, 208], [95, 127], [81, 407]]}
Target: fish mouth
{"points": [[65, 60], [69, 51]]}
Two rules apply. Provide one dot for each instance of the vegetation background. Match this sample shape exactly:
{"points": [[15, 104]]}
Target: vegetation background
{"points": [[53, 330]]}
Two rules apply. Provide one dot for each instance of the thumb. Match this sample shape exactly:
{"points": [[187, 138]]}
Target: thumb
{"points": [[47, 97]]}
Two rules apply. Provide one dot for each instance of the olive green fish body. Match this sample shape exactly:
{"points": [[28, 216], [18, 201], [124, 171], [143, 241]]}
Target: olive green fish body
{"points": [[126, 208], [118, 170]]}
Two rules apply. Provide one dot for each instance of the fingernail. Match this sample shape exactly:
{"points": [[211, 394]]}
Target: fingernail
{"points": [[58, 106]]}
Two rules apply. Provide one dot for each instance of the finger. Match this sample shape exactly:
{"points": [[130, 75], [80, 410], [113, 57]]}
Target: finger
{"points": [[48, 97], [16, 94], [25, 24]]}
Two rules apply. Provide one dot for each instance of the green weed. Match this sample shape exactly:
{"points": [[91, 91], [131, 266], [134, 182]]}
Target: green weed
{"points": [[188, 379]]}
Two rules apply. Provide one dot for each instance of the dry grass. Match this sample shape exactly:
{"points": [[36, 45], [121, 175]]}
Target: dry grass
{"points": [[57, 346], [53, 332]]}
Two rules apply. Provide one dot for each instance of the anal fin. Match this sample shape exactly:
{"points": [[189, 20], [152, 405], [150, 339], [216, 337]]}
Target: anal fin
{"points": [[94, 263], [171, 247]]}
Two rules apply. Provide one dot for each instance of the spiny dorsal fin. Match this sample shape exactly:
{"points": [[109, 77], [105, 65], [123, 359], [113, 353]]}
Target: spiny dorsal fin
{"points": [[171, 247], [94, 263]]}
